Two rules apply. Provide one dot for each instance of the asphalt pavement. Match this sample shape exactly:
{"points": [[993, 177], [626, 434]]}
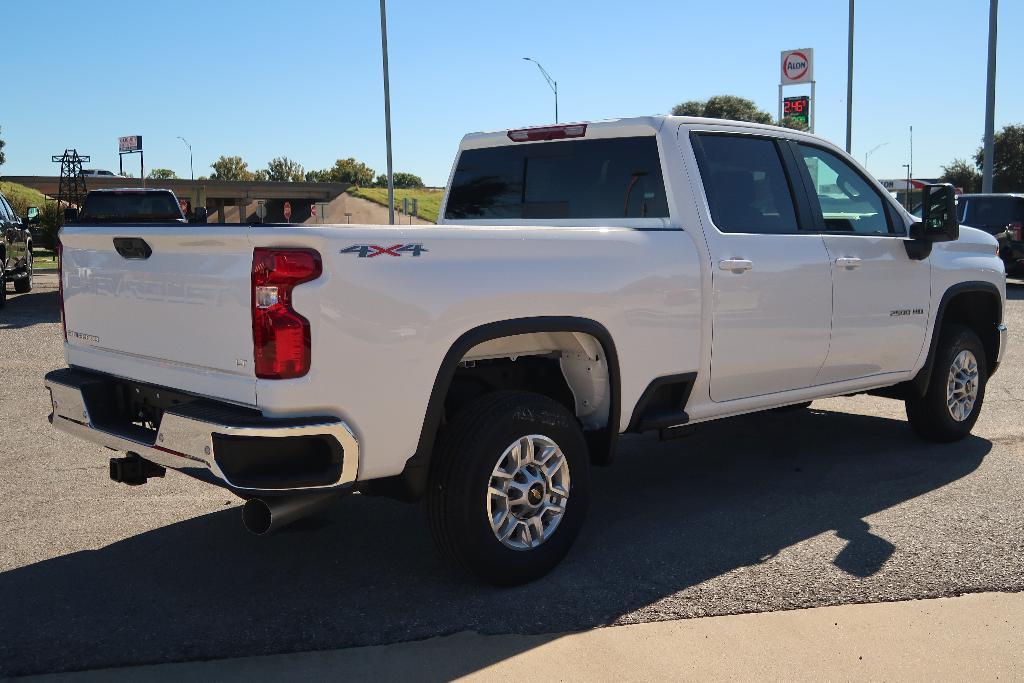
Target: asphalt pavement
{"points": [[837, 504]]}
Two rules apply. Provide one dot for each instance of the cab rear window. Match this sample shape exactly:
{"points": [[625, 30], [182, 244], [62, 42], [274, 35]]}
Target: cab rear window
{"points": [[584, 179], [131, 206]]}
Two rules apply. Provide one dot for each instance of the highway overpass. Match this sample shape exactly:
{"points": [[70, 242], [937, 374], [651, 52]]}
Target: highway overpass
{"points": [[213, 194]]}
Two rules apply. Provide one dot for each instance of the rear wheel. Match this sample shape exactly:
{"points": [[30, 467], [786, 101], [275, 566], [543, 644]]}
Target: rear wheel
{"points": [[956, 390], [509, 487], [24, 284]]}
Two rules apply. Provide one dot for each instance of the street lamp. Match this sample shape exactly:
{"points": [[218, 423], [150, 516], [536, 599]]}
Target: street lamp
{"points": [[191, 172], [872, 151], [907, 195], [552, 83]]}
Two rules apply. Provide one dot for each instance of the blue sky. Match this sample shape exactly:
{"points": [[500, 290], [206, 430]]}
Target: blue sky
{"points": [[303, 78]]}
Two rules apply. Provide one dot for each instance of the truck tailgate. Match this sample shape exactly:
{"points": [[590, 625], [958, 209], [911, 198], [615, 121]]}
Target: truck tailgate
{"points": [[179, 317]]}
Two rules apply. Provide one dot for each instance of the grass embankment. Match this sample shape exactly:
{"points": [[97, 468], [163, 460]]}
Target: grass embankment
{"points": [[22, 197], [43, 260], [428, 201]]}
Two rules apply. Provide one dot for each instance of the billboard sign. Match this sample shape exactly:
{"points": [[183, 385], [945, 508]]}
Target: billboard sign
{"points": [[129, 143], [798, 108]]}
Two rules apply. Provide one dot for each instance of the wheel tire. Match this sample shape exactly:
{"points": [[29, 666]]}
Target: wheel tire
{"points": [[24, 285], [929, 415], [471, 448]]}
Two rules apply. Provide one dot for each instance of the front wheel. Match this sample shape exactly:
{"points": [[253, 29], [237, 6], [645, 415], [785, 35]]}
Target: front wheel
{"points": [[956, 390], [509, 487]]}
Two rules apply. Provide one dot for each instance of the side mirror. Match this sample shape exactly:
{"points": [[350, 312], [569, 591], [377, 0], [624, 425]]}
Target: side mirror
{"points": [[938, 215], [70, 215], [32, 215], [200, 214]]}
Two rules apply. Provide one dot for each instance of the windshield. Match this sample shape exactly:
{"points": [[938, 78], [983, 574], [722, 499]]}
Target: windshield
{"points": [[131, 206]]}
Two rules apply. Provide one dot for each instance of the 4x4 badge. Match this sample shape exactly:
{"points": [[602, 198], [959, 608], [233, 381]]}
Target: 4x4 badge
{"points": [[371, 250]]}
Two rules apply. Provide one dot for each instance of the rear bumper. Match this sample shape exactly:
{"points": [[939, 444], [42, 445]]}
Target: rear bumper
{"points": [[213, 437]]}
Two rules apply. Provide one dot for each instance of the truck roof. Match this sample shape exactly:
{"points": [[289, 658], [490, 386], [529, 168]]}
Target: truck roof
{"points": [[610, 128]]}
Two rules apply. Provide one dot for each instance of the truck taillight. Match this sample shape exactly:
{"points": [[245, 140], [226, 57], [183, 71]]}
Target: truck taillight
{"points": [[280, 336], [1015, 229], [60, 287]]}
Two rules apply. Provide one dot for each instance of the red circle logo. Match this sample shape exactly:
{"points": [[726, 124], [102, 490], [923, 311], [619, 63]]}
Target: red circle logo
{"points": [[795, 66]]}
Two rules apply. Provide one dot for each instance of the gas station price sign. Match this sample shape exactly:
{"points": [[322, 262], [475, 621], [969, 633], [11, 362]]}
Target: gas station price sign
{"points": [[798, 108]]}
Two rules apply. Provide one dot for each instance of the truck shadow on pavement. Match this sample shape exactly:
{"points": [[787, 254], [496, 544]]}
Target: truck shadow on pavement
{"points": [[34, 308], [665, 517]]}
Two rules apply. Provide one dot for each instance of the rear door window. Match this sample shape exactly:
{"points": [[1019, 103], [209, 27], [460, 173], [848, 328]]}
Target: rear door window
{"points": [[745, 183], [574, 179]]}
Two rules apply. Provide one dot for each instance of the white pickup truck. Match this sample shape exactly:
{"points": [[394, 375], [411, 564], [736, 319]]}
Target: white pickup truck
{"points": [[585, 281]]}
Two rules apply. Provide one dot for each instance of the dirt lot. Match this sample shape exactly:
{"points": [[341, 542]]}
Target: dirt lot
{"points": [[836, 504]]}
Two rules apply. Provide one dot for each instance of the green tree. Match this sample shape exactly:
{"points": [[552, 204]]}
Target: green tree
{"points": [[261, 175], [1008, 159], [961, 173], [794, 123], [351, 171], [284, 170], [3, 157], [403, 181], [230, 168], [321, 176], [729, 107], [162, 174]]}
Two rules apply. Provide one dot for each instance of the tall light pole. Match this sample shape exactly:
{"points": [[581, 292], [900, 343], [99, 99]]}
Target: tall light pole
{"points": [[191, 172], [872, 151], [990, 100], [387, 109], [849, 84], [552, 83]]}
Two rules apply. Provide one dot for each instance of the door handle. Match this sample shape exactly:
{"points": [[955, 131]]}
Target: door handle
{"points": [[848, 262], [736, 265]]}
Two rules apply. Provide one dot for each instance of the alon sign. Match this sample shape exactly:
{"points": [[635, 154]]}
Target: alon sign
{"points": [[797, 66]]}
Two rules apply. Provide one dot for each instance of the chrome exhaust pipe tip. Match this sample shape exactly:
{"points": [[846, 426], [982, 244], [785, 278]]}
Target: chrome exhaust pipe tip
{"points": [[257, 517], [262, 516]]}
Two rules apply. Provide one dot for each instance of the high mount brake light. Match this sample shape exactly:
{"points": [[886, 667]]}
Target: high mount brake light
{"points": [[281, 340], [576, 130]]}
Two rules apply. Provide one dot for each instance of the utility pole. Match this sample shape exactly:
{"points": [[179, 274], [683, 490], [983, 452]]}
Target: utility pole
{"points": [[387, 109], [990, 100], [849, 84]]}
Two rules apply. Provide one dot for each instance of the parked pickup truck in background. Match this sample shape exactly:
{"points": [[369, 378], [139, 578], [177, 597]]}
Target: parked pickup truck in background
{"points": [[15, 251], [585, 281]]}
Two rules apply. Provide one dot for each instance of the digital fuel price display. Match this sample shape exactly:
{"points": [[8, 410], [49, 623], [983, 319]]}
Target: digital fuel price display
{"points": [[798, 108]]}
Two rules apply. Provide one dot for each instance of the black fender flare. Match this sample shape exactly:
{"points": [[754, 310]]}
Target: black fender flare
{"points": [[602, 442], [922, 379]]}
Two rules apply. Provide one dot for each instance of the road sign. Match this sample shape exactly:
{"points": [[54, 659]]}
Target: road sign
{"points": [[287, 212], [797, 66], [129, 143], [261, 210], [798, 108]]}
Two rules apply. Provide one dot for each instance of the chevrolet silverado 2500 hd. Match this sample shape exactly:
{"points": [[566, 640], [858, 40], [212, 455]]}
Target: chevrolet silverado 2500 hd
{"points": [[584, 281]]}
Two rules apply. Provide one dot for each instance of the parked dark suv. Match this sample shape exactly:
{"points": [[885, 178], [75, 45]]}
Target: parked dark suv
{"points": [[1001, 215], [15, 251]]}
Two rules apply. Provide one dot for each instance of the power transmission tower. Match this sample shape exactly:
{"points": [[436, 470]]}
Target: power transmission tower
{"points": [[72, 185]]}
